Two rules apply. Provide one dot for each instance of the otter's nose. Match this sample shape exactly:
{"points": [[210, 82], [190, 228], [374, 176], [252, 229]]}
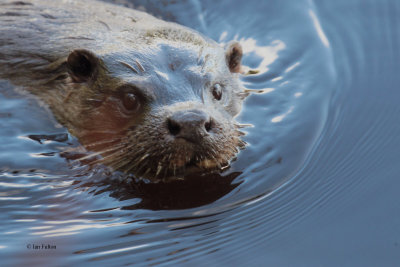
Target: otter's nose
{"points": [[189, 124]]}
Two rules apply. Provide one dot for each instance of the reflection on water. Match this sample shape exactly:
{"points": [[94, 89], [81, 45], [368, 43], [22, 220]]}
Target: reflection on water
{"points": [[316, 185]]}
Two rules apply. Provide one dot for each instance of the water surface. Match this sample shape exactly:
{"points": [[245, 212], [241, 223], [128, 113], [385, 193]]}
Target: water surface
{"points": [[317, 184]]}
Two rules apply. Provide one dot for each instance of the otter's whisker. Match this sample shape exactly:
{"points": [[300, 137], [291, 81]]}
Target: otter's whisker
{"points": [[91, 155], [103, 142], [159, 168], [243, 125], [144, 157], [139, 65], [95, 154], [128, 66]]}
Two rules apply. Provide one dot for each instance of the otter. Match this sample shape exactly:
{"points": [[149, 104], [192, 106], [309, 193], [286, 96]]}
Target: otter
{"points": [[144, 96]]}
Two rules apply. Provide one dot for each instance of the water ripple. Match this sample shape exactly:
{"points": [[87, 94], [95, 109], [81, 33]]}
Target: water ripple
{"points": [[324, 137]]}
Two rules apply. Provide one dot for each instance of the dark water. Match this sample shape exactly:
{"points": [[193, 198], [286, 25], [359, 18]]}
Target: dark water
{"points": [[318, 184]]}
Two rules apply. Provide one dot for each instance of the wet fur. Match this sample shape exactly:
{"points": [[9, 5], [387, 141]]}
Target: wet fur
{"points": [[37, 38]]}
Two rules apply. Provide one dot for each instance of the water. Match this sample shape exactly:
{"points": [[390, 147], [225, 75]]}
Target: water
{"points": [[316, 186]]}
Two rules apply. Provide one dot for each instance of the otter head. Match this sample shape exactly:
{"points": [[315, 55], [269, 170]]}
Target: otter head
{"points": [[160, 112]]}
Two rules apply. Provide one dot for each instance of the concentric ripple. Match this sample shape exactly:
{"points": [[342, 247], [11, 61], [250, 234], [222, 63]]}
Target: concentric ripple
{"points": [[317, 184]]}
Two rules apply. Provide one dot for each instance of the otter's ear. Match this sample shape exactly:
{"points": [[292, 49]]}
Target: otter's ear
{"points": [[233, 55], [82, 65]]}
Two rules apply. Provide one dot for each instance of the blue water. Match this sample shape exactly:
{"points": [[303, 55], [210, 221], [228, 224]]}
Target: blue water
{"points": [[317, 184]]}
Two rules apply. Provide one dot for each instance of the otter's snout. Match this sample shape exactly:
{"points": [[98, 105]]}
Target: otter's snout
{"points": [[190, 124]]}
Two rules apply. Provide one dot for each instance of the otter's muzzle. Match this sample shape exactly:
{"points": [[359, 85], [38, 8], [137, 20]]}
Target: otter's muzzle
{"points": [[191, 125]]}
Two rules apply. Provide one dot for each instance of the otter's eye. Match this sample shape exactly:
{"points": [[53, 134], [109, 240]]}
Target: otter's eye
{"points": [[130, 102], [217, 91]]}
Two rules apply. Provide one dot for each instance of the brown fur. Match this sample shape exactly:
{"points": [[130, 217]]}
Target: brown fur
{"points": [[88, 61]]}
